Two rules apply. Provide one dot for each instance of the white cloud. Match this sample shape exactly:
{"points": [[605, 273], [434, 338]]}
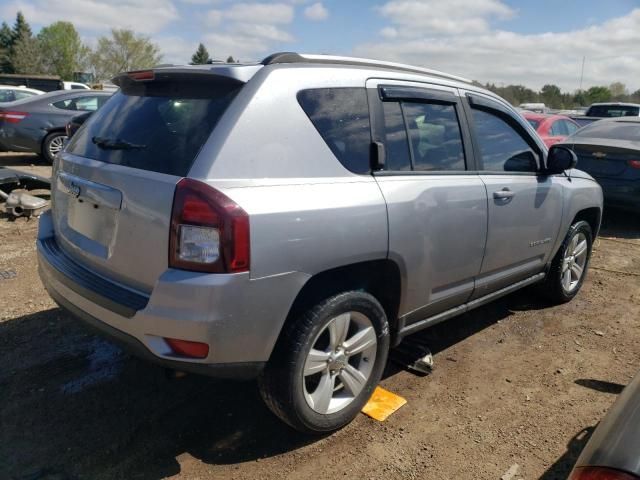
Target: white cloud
{"points": [[248, 30], [143, 16], [176, 50], [436, 16], [316, 12], [260, 13], [389, 32], [477, 49]]}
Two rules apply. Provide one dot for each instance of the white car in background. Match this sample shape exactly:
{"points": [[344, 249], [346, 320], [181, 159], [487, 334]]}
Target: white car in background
{"points": [[11, 93], [75, 86]]}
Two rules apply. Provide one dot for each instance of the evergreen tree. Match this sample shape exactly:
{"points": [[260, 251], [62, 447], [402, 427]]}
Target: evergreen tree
{"points": [[5, 46], [21, 33], [27, 56], [20, 29], [230, 59], [201, 56]]}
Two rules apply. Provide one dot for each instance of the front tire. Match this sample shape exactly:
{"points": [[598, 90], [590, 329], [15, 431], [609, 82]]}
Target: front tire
{"points": [[52, 145], [327, 363], [569, 267]]}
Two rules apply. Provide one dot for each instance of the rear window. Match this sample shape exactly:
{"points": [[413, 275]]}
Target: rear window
{"points": [[341, 116], [614, 130], [613, 111], [155, 126]]}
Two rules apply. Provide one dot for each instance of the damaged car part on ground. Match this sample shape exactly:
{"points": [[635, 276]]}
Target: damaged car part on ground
{"points": [[14, 190]]}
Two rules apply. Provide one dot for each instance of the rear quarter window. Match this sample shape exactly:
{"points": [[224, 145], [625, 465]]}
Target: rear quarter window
{"points": [[156, 127], [341, 116]]}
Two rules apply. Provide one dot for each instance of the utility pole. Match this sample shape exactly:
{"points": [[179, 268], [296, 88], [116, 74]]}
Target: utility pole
{"points": [[582, 72]]}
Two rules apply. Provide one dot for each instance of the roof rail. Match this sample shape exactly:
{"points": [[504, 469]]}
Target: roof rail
{"points": [[292, 57]]}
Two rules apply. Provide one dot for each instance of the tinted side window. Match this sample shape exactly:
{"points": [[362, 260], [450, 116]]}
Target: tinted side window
{"points": [[87, 104], [341, 116], [571, 127], [20, 94], [434, 133], [502, 148], [68, 104], [559, 128], [7, 96], [396, 144]]}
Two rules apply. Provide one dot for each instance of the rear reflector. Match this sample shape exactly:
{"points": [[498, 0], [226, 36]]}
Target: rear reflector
{"points": [[185, 348], [13, 117], [600, 473], [142, 75], [634, 163]]}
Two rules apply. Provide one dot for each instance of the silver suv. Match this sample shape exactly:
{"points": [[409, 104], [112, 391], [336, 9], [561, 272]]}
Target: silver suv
{"points": [[292, 220]]}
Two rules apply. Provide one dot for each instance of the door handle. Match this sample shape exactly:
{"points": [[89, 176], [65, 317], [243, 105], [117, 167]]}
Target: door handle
{"points": [[504, 193]]}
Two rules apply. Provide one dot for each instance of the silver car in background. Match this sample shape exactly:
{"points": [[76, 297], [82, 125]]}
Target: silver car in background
{"points": [[613, 451], [291, 220]]}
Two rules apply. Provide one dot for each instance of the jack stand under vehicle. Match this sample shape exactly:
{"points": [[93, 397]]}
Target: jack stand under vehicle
{"points": [[413, 355]]}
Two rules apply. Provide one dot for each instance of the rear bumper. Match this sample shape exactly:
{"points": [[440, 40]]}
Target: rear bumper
{"points": [[238, 317]]}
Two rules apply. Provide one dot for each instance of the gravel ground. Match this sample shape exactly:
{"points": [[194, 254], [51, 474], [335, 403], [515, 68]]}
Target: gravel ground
{"points": [[515, 382]]}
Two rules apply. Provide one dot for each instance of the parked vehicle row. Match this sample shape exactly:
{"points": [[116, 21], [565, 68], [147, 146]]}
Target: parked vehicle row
{"points": [[37, 124], [11, 94], [551, 128], [609, 150]]}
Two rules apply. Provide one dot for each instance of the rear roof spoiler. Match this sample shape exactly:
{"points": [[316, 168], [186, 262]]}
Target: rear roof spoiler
{"points": [[199, 73]]}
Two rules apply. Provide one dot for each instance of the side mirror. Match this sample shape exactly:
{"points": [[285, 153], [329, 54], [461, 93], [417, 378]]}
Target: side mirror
{"points": [[559, 159]]}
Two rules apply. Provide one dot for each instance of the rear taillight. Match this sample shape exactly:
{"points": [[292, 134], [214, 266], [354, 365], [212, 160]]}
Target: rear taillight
{"points": [[186, 348], [209, 231], [13, 117], [634, 163], [142, 75], [600, 473]]}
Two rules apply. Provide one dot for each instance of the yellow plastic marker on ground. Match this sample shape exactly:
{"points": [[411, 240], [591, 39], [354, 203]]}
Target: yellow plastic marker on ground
{"points": [[382, 404]]}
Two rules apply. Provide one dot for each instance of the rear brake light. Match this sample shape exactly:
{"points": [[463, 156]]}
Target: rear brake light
{"points": [[141, 75], [209, 231], [186, 348], [634, 163], [13, 117], [600, 473]]}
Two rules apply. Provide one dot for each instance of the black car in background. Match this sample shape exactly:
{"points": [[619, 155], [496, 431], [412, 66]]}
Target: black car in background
{"points": [[76, 122], [38, 124], [609, 151]]}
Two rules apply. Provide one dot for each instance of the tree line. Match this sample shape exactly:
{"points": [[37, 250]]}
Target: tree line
{"points": [[553, 97], [57, 49]]}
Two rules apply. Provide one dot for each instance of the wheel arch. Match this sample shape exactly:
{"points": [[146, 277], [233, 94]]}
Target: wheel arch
{"points": [[591, 215], [381, 278]]}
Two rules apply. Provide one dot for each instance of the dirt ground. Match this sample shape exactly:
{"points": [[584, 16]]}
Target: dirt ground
{"points": [[515, 382]]}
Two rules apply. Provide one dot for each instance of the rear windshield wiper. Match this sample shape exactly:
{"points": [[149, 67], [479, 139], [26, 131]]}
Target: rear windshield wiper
{"points": [[111, 144]]}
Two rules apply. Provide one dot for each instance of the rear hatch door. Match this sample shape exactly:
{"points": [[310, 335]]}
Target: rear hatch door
{"points": [[113, 187]]}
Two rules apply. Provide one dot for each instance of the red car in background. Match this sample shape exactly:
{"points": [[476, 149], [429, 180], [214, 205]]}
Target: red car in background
{"points": [[551, 128]]}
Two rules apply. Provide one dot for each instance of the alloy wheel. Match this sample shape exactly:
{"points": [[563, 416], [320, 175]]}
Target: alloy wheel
{"points": [[56, 145], [339, 362], [574, 262]]}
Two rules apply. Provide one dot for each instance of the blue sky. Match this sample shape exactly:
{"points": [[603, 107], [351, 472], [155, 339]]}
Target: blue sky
{"points": [[503, 41]]}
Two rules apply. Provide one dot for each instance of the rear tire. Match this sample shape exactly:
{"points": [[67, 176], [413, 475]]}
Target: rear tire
{"points": [[52, 145], [327, 362], [569, 267]]}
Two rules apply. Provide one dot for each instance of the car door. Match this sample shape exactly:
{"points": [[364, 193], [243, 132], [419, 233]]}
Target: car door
{"points": [[436, 203], [524, 205]]}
